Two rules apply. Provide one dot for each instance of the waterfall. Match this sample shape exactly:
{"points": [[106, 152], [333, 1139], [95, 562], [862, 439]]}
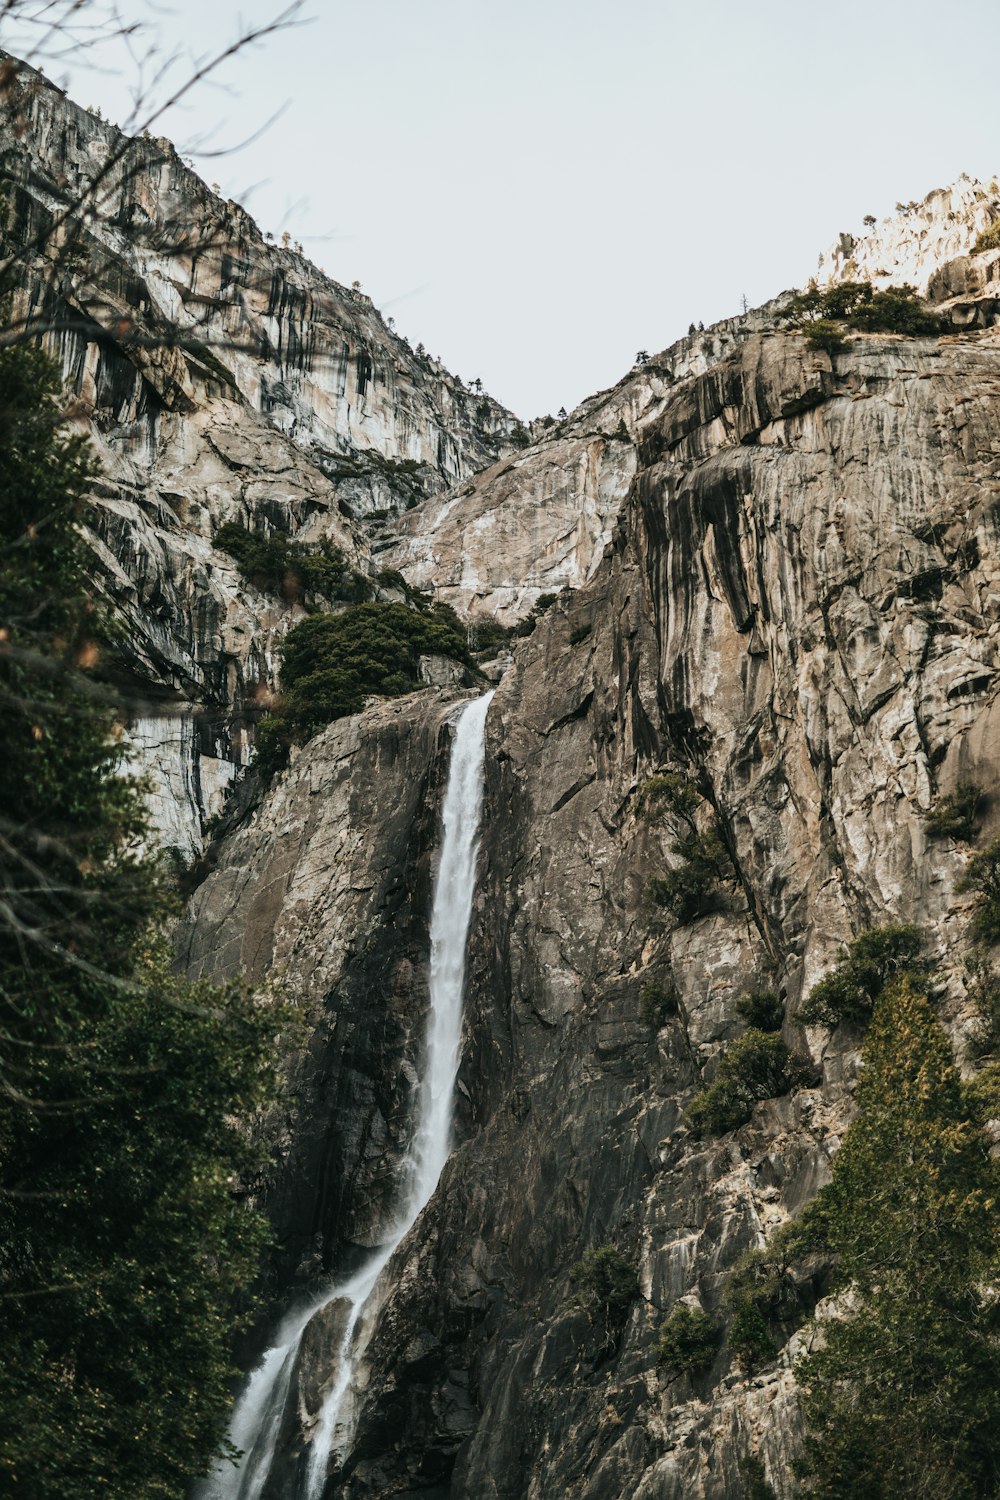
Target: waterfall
{"points": [[257, 1419]]}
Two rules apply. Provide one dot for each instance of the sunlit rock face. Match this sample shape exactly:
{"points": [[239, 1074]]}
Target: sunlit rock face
{"points": [[539, 521], [799, 602], [221, 378], [912, 244]]}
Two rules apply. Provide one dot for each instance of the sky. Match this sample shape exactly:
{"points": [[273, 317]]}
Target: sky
{"points": [[538, 189]]}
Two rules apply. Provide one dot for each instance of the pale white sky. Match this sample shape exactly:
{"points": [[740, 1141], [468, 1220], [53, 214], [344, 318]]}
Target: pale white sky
{"points": [[536, 189]]}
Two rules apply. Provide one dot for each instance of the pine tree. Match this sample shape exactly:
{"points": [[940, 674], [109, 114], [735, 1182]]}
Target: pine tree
{"points": [[902, 1396], [121, 1240]]}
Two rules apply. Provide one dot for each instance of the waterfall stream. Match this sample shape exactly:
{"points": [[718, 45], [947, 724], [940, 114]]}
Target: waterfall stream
{"points": [[257, 1418]]}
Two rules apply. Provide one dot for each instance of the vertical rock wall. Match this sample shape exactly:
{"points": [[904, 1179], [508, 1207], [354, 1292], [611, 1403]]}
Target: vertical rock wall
{"points": [[802, 603]]}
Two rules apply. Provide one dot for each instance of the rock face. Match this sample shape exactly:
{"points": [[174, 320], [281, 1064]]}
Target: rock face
{"points": [[913, 244], [220, 379], [540, 520], [782, 576], [800, 603]]}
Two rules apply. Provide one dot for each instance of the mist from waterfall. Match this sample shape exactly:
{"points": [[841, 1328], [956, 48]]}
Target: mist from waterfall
{"points": [[257, 1419]]}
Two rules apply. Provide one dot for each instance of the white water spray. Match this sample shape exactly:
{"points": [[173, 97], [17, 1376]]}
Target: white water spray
{"points": [[257, 1420]]}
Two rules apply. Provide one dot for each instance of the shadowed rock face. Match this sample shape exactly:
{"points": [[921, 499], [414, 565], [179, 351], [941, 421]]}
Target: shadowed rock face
{"points": [[801, 601], [323, 896]]}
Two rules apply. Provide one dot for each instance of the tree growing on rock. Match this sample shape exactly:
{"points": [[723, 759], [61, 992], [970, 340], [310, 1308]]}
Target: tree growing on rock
{"points": [[902, 1392]]}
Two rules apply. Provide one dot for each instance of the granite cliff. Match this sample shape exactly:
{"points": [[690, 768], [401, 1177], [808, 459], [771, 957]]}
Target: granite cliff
{"points": [[221, 378], [798, 603], [778, 573]]}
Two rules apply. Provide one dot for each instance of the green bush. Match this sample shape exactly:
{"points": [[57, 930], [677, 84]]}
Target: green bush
{"points": [[672, 794], [988, 240], [750, 1340], [541, 606], [824, 334], [485, 634], [688, 1339], [331, 662], [658, 1002], [850, 990], [762, 1010], [755, 1485], [606, 1286], [956, 816], [291, 570], [757, 1066], [693, 888], [982, 875], [762, 1296], [856, 304], [896, 310]]}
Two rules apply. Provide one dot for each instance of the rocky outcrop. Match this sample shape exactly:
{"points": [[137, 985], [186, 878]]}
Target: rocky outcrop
{"points": [[220, 378], [801, 604], [540, 520], [912, 244], [929, 246]]}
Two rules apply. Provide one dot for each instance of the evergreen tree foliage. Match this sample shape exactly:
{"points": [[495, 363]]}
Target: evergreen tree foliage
{"points": [[331, 663], [121, 1239], [692, 888], [902, 1394], [606, 1286], [850, 989], [291, 570], [982, 875], [757, 1066], [957, 815], [762, 1009], [825, 315], [688, 1340]]}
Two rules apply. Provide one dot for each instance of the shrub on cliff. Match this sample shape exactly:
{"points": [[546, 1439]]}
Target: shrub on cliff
{"points": [[826, 315], [332, 662], [982, 875], [896, 310], [276, 565], [762, 1009], [825, 334], [754, 1477], [757, 1066], [606, 1286], [658, 1002], [988, 240], [983, 989], [850, 990], [765, 1302], [692, 888], [902, 1394], [688, 1340], [125, 1090], [956, 816]]}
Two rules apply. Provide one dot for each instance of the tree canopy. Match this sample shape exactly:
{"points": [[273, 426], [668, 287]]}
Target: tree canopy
{"points": [[902, 1391], [122, 1088]]}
